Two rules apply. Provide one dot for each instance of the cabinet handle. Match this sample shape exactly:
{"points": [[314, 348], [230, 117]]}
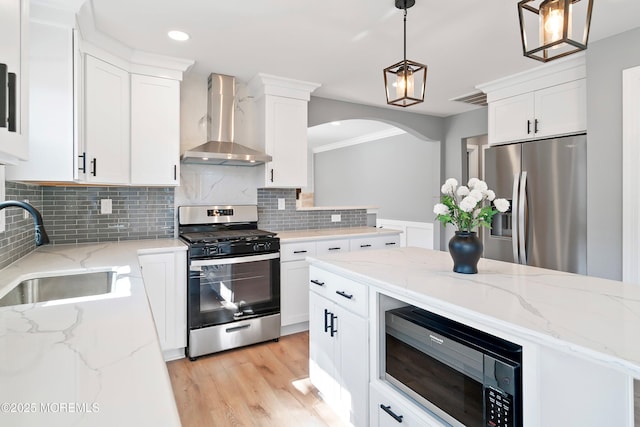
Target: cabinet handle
{"points": [[365, 246], [271, 175], [326, 322], [175, 172], [528, 127], [3, 95], [237, 328], [13, 101], [83, 156], [535, 126], [335, 249], [317, 282], [344, 294], [390, 243], [299, 252], [94, 166], [388, 410], [333, 330]]}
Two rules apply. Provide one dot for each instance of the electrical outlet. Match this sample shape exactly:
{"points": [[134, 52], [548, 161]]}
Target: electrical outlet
{"points": [[336, 218], [281, 206], [25, 213], [105, 206]]}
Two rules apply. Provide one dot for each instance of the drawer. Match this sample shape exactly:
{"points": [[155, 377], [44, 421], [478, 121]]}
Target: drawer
{"points": [[388, 409], [375, 242], [390, 241], [324, 247], [297, 251], [351, 295]]}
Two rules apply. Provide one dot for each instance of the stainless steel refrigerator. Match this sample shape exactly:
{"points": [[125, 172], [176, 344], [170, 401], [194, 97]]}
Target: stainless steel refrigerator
{"points": [[546, 183]]}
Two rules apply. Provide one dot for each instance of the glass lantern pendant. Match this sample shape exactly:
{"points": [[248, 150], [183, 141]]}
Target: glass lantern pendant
{"points": [[551, 29], [405, 81]]}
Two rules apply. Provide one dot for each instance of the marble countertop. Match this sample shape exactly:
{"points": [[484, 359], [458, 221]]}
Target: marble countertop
{"points": [[591, 317], [92, 361], [333, 233]]}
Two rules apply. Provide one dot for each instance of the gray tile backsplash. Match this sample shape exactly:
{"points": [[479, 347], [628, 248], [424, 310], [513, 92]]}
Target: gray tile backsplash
{"points": [[272, 219], [72, 215]]}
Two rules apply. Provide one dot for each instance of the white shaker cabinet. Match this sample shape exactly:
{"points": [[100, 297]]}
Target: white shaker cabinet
{"points": [[155, 130], [165, 281], [339, 344], [388, 409], [14, 88], [106, 122]]}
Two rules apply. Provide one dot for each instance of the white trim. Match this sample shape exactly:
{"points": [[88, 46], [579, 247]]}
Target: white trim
{"points": [[374, 136], [3, 196], [630, 175], [416, 234], [266, 84]]}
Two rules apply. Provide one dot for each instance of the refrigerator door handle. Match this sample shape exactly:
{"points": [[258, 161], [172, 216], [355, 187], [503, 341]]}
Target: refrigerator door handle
{"points": [[514, 217], [522, 229]]}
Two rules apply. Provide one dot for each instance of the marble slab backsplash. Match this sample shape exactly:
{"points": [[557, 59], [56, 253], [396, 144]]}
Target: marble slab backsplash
{"points": [[290, 219], [71, 214]]}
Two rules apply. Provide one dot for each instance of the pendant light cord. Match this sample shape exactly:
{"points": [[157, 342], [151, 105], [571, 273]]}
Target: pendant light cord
{"points": [[405, 34]]}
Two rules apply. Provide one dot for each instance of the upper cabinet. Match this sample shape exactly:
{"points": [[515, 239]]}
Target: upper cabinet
{"points": [[282, 106], [545, 102], [14, 89]]}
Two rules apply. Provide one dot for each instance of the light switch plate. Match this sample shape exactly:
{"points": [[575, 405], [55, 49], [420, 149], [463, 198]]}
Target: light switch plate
{"points": [[25, 213], [281, 206], [336, 218], [105, 206]]}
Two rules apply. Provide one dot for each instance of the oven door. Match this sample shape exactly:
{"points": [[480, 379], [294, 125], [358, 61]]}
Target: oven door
{"points": [[228, 289]]}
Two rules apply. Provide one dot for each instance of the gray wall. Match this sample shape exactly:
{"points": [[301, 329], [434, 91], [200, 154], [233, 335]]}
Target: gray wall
{"points": [[605, 61], [400, 175]]}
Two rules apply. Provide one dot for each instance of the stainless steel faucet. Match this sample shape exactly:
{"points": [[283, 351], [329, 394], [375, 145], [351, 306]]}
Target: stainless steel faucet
{"points": [[41, 234]]}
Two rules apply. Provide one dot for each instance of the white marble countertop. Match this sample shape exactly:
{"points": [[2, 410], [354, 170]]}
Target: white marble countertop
{"points": [[333, 233], [92, 361], [591, 317]]}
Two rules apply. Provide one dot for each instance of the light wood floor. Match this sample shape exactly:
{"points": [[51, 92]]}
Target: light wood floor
{"points": [[261, 385]]}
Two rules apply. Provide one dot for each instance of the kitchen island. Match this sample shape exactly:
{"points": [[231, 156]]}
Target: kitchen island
{"points": [[90, 361], [579, 334]]}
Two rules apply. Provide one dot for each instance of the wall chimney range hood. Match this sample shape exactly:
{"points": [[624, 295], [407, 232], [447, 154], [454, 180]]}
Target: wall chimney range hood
{"points": [[220, 149]]}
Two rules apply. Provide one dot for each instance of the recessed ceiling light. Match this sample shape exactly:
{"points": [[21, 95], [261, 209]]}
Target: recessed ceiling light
{"points": [[178, 35]]}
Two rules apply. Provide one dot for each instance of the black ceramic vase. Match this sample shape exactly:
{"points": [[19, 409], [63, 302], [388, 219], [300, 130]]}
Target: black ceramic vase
{"points": [[465, 249]]}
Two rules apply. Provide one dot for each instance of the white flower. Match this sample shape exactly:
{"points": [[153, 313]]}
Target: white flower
{"points": [[468, 204], [449, 186], [481, 185], [463, 191], [476, 194], [472, 182], [490, 195], [440, 209], [502, 205]]}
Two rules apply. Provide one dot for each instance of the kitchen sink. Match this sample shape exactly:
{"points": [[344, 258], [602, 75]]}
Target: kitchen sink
{"points": [[51, 288]]}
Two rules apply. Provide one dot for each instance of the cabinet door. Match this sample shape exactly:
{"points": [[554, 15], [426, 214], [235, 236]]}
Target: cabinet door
{"points": [[294, 292], [322, 367], [155, 130], [511, 119], [561, 109], [14, 22], [286, 141], [51, 106], [106, 118], [352, 355]]}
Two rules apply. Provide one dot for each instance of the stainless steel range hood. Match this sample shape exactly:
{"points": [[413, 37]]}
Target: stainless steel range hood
{"points": [[220, 148]]}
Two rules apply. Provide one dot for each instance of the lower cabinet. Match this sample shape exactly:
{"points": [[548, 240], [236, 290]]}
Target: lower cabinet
{"points": [[165, 281], [339, 345], [389, 410]]}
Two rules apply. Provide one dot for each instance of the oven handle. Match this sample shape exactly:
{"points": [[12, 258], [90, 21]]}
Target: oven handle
{"points": [[234, 260]]}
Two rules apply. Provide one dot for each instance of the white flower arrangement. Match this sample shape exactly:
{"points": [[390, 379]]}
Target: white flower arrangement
{"points": [[463, 206]]}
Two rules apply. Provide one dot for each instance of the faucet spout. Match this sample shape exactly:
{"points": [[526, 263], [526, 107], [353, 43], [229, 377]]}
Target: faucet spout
{"points": [[41, 233]]}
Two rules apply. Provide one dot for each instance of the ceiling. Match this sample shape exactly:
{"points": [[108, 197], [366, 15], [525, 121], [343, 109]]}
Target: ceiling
{"points": [[344, 45]]}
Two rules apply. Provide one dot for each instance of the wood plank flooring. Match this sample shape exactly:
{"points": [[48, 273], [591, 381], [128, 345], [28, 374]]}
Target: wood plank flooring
{"points": [[261, 385]]}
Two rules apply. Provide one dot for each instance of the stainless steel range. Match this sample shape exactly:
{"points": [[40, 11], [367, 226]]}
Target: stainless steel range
{"points": [[234, 278]]}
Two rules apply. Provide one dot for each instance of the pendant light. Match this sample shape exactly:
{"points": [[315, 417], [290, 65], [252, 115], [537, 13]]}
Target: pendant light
{"points": [[405, 81], [551, 29]]}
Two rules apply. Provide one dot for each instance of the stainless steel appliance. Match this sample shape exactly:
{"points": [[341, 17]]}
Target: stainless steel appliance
{"points": [[234, 278], [546, 183], [464, 376]]}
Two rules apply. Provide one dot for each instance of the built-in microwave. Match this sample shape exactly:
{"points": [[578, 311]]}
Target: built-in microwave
{"points": [[464, 376]]}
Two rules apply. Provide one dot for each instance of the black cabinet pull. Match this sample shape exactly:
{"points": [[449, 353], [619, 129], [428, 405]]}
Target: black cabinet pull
{"points": [[83, 156], [390, 243], [175, 172], [344, 294], [334, 249], [299, 252], [365, 246], [326, 322], [333, 330], [3, 95], [317, 282], [388, 410], [528, 127], [12, 114], [94, 166], [535, 126], [271, 175]]}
